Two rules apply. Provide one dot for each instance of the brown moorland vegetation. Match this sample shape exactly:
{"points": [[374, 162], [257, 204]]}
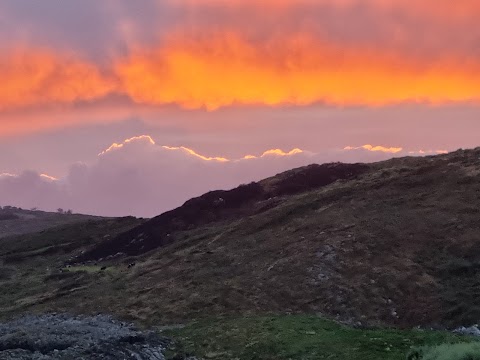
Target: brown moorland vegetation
{"points": [[391, 243]]}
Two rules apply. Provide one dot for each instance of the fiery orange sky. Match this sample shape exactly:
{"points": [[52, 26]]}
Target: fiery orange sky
{"points": [[226, 68], [219, 53], [214, 80]]}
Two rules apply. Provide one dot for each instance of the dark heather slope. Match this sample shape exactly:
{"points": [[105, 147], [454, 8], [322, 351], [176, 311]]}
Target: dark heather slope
{"points": [[217, 206]]}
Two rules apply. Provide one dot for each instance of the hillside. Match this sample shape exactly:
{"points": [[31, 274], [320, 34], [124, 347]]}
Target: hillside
{"points": [[220, 206], [391, 243], [16, 221]]}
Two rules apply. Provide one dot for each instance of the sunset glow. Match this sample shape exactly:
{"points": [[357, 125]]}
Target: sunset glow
{"points": [[146, 139], [39, 77], [291, 55], [127, 141], [193, 153], [227, 69], [285, 57], [164, 100], [368, 147]]}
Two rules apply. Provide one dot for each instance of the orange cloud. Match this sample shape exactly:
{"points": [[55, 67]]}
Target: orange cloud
{"points": [[39, 77], [275, 152], [193, 153], [394, 150], [149, 140], [226, 69], [281, 57], [368, 147], [279, 152], [127, 141]]}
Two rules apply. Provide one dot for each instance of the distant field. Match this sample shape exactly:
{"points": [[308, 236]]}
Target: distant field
{"points": [[14, 221]]}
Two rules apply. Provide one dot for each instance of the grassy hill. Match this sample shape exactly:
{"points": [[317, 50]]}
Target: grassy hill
{"points": [[394, 243]]}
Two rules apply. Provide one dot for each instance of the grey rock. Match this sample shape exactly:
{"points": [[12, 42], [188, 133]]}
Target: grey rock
{"points": [[472, 330], [62, 337]]}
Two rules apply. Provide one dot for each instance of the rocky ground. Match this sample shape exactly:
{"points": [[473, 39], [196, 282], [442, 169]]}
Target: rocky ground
{"points": [[50, 337]]}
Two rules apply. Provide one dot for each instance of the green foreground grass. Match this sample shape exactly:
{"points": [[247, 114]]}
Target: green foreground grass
{"points": [[298, 337], [464, 351]]}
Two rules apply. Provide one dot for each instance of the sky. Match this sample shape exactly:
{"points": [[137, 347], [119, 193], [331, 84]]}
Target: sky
{"points": [[120, 107]]}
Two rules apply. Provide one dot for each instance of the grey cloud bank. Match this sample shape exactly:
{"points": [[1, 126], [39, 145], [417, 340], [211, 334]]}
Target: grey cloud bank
{"points": [[141, 178]]}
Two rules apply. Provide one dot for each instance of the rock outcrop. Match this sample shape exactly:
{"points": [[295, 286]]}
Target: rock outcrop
{"points": [[62, 337]]}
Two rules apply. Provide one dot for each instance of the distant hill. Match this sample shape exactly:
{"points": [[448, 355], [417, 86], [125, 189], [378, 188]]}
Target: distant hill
{"points": [[391, 243], [16, 221]]}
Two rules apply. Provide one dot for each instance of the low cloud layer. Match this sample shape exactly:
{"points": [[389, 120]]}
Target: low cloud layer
{"points": [[142, 178]]}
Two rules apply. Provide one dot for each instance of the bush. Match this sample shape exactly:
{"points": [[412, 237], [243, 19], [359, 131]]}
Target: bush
{"points": [[467, 351]]}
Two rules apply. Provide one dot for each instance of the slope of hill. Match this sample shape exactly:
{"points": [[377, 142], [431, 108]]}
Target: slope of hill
{"points": [[16, 221], [216, 206], [391, 243]]}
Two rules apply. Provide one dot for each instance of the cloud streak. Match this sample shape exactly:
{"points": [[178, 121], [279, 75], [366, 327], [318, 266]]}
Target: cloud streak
{"points": [[193, 153], [378, 148]]}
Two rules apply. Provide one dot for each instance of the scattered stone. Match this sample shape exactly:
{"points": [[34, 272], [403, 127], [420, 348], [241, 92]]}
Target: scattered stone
{"points": [[61, 337]]}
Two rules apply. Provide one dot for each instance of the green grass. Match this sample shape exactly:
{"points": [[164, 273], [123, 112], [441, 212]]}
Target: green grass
{"points": [[297, 337], [465, 351]]}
